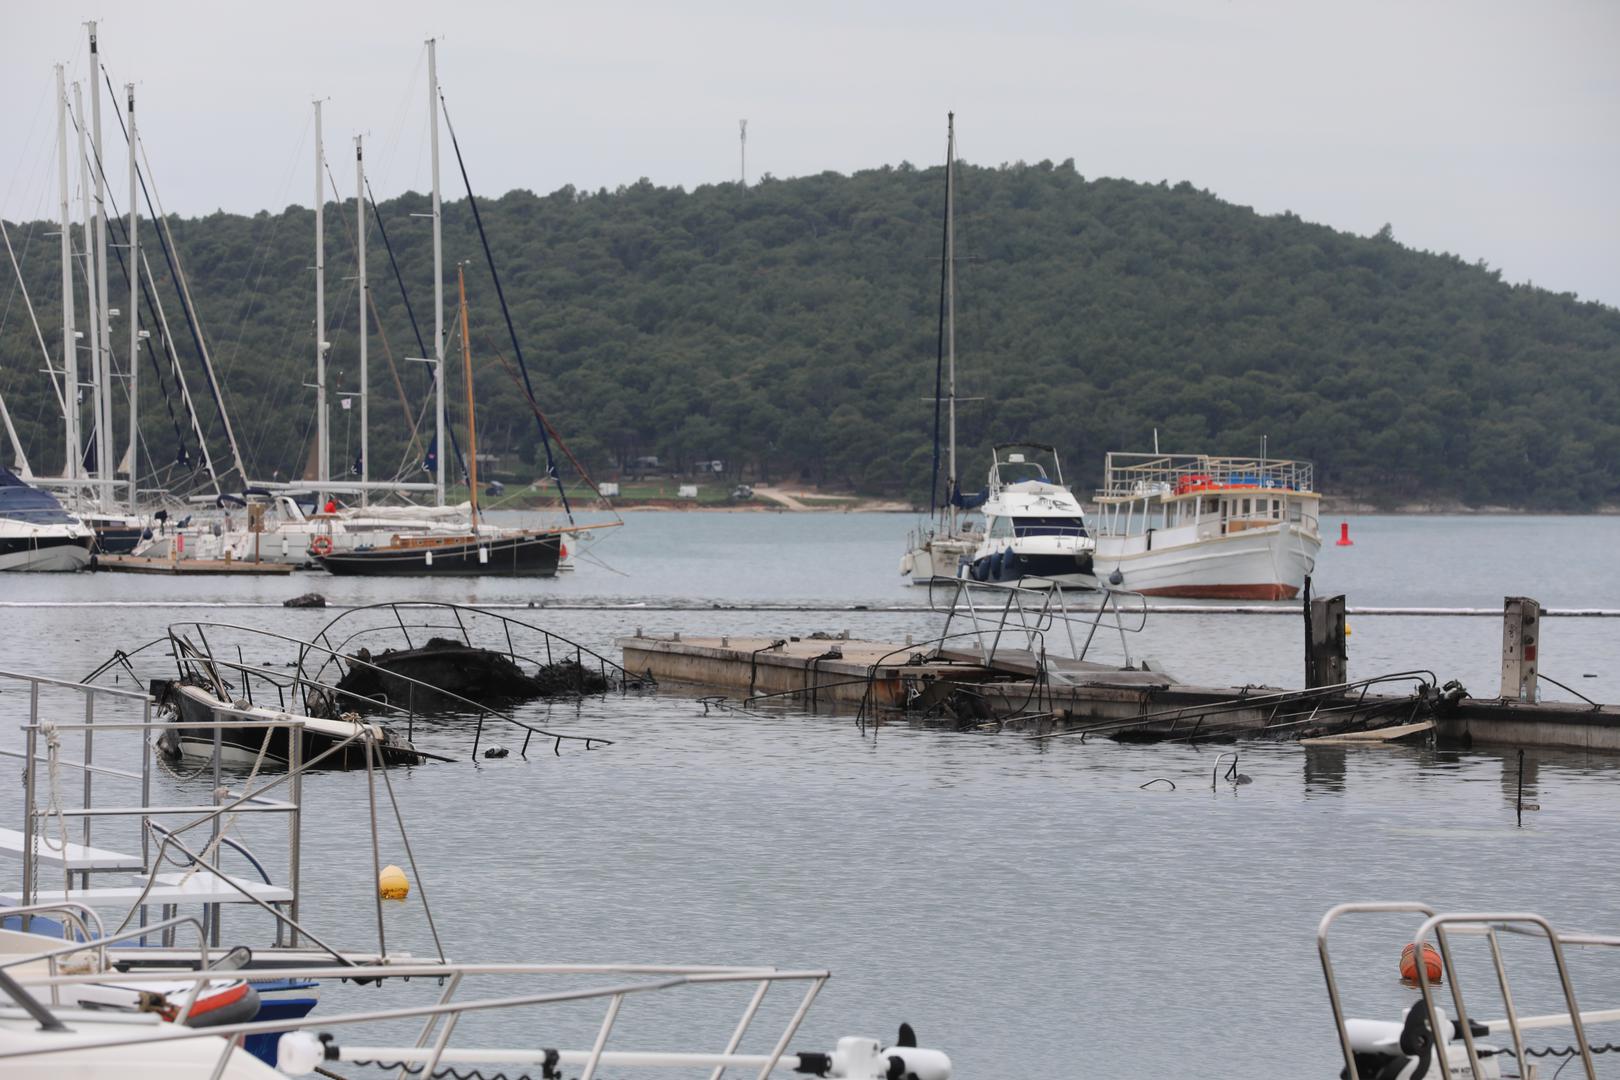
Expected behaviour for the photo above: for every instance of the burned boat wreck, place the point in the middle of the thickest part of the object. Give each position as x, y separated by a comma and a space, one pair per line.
440, 657
204, 718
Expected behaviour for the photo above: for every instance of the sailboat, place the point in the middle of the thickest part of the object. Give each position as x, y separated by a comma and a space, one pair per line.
529, 553
936, 550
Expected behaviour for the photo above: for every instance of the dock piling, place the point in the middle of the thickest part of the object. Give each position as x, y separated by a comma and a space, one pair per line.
1325, 653
1521, 636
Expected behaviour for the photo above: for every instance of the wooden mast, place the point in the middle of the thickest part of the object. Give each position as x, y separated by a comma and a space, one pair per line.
472, 419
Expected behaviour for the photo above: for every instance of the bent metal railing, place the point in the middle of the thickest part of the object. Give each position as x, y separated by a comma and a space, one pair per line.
556, 647
1488, 925
432, 1047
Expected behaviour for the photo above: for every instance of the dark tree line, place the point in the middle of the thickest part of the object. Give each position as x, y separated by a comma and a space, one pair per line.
789, 329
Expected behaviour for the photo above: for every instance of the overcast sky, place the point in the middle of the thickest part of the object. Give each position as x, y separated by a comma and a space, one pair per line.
1487, 129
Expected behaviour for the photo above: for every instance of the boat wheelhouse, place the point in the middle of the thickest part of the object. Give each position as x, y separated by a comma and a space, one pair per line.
1202, 527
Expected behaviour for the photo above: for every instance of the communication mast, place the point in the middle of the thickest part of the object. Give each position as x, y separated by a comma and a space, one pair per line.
742, 148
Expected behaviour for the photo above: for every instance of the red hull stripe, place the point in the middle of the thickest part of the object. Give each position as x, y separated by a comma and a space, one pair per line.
1226, 592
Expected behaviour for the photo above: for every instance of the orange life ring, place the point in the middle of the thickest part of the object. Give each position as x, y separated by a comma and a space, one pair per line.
321, 545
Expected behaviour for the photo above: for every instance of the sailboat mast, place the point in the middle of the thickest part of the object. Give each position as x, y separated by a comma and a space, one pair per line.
950, 310
472, 414
90, 279
438, 276
134, 301
70, 341
324, 464
365, 315
103, 321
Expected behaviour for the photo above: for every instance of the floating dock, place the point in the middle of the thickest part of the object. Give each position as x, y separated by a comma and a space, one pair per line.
1013, 689
135, 564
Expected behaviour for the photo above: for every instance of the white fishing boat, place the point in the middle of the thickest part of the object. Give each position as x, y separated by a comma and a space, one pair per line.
36, 533
1034, 530
938, 549
1202, 527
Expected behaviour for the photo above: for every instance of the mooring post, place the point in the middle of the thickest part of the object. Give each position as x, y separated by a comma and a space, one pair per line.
1521, 636
1325, 662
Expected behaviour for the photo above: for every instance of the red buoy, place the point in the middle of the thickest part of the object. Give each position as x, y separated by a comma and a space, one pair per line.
1344, 535
1431, 964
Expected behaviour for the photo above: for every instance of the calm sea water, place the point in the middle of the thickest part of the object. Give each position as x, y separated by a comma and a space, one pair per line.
1028, 907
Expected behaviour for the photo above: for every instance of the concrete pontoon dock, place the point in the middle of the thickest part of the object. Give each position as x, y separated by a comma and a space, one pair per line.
135, 564
975, 680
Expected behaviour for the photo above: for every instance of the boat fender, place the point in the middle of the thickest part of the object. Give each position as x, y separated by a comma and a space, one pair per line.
1009, 565
392, 883
236, 1004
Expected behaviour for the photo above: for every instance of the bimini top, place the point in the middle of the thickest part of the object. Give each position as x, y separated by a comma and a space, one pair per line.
21, 502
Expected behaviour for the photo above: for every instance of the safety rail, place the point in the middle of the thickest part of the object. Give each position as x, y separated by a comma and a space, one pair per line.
1488, 925
1129, 476
301, 1053
1048, 606
160, 844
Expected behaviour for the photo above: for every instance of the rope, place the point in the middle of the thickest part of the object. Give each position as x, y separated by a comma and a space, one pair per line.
550, 1072
53, 807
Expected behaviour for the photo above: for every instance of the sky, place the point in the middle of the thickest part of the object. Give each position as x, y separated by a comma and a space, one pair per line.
1486, 129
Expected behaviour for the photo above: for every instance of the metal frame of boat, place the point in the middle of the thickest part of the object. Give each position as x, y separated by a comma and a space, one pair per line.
1202, 527
37, 1038
1403, 1050
426, 617
855, 1058
206, 664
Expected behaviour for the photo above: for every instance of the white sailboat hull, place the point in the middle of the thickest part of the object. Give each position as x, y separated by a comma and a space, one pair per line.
936, 557
1267, 563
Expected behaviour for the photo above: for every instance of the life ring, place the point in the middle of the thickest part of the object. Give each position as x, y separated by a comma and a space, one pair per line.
321, 545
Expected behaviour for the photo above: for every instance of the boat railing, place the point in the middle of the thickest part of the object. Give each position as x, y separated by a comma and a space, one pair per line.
48, 797
303, 688
1028, 612
1129, 476
613, 986
557, 648
1467, 1028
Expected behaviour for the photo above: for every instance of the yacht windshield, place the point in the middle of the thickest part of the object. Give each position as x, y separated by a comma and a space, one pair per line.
1049, 526
1016, 472
19, 502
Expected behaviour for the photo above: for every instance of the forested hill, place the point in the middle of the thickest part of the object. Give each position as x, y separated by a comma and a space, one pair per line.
790, 330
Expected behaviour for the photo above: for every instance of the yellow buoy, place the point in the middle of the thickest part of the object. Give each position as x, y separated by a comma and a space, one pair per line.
392, 884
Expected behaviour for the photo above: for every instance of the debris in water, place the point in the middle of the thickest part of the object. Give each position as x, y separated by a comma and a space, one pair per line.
309, 599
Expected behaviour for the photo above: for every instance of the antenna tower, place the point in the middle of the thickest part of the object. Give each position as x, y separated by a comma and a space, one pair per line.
742, 149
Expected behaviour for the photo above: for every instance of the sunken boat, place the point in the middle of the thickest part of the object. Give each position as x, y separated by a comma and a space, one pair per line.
445, 674
245, 737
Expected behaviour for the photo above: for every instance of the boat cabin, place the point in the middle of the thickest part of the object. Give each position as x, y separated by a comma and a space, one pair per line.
1185, 498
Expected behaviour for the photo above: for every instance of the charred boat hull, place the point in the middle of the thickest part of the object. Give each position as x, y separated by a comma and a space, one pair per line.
242, 745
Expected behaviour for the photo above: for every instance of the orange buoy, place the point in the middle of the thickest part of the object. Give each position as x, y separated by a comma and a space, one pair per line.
1344, 535
1431, 964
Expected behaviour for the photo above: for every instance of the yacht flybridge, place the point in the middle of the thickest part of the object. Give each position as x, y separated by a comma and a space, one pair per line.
1033, 525
1222, 528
